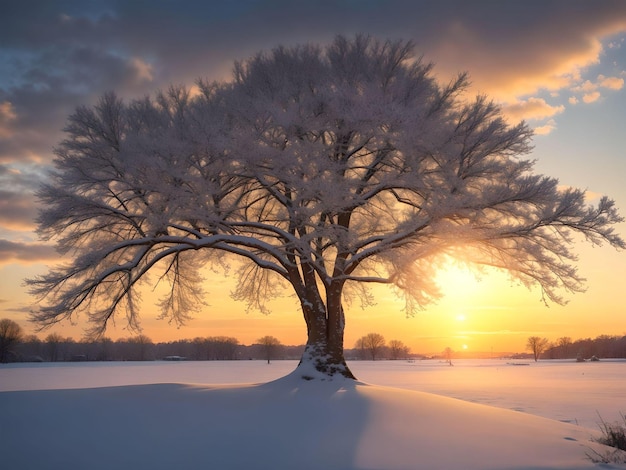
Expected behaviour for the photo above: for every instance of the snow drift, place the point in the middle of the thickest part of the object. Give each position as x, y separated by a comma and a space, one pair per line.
281, 425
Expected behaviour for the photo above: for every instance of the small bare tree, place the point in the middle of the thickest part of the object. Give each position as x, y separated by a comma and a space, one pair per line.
11, 334
537, 346
372, 343
447, 355
270, 345
54, 348
397, 349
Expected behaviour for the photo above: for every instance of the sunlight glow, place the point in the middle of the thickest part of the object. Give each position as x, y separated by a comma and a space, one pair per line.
458, 279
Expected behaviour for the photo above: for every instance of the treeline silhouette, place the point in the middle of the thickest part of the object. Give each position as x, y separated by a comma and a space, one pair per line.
15, 346
141, 348
57, 348
603, 346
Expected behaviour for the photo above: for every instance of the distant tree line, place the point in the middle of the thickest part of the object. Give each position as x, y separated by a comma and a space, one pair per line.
141, 348
603, 346
15, 346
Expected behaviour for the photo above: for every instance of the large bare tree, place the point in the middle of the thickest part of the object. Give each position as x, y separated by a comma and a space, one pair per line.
323, 169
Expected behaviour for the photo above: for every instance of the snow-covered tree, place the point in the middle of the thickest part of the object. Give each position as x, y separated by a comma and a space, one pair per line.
323, 169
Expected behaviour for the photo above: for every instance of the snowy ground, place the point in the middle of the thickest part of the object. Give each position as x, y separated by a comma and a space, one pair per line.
183, 415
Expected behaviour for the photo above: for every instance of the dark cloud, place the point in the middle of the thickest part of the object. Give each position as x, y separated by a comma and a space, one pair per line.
11, 251
17, 196
17, 211
87, 45
49, 85
521, 53
198, 37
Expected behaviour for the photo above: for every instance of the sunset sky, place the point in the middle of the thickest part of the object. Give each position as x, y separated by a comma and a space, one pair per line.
559, 65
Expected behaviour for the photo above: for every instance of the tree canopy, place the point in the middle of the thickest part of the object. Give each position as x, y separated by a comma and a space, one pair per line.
320, 168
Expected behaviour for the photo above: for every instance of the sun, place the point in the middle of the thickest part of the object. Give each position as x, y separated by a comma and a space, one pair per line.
464, 347
460, 317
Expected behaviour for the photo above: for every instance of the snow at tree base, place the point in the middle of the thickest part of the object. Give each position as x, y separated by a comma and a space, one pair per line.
321, 169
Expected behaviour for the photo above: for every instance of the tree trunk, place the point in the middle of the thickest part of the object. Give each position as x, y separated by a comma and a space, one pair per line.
323, 355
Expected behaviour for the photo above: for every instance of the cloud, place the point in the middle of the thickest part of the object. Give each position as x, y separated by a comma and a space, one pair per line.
532, 108
17, 211
591, 97
590, 90
546, 128
7, 116
7, 113
613, 83
468, 333
590, 196
41, 85
18, 184
26, 253
586, 87
517, 50
143, 70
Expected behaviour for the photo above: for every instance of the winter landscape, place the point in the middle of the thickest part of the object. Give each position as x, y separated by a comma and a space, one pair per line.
205, 166
477, 414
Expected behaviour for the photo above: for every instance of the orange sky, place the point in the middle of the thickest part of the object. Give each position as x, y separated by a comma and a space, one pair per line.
485, 314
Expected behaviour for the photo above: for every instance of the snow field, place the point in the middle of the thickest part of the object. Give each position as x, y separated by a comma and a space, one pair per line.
149, 415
